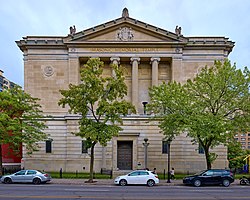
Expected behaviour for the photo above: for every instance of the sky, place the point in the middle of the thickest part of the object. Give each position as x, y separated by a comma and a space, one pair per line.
20, 18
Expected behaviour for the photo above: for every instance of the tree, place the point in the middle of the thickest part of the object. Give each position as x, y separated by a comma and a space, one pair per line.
236, 155
99, 101
21, 121
211, 108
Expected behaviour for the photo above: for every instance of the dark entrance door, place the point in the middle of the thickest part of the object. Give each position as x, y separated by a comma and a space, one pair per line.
124, 155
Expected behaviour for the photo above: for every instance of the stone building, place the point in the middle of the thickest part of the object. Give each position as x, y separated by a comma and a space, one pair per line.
151, 56
11, 158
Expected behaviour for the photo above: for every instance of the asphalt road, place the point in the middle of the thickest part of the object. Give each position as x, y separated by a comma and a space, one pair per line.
111, 192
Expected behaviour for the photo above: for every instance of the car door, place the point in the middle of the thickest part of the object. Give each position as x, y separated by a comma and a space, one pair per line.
19, 176
217, 176
30, 176
133, 178
207, 177
143, 177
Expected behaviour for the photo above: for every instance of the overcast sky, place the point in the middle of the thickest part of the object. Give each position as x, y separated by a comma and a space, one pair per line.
20, 18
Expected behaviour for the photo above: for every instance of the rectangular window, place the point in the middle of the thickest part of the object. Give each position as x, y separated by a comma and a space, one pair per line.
84, 146
48, 146
200, 149
164, 147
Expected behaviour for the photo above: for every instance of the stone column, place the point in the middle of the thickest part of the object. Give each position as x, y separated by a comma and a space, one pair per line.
135, 83
114, 61
155, 62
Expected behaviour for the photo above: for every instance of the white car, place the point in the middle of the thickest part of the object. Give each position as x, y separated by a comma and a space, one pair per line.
138, 177
26, 176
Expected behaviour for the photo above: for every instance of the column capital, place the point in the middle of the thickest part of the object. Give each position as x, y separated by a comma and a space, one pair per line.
115, 59
155, 59
133, 59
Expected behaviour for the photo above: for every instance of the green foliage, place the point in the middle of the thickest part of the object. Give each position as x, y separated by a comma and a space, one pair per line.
21, 120
210, 108
236, 155
99, 100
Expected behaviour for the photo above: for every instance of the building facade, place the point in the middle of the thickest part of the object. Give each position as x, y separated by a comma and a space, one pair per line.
151, 56
11, 158
5, 83
243, 139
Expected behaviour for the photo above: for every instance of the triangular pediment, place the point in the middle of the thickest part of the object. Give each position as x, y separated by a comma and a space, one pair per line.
125, 29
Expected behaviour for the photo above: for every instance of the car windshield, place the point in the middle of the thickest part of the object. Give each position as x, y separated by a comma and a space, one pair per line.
201, 172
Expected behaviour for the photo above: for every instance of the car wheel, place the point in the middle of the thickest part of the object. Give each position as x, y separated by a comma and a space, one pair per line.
122, 182
7, 180
37, 181
242, 182
150, 183
226, 182
197, 183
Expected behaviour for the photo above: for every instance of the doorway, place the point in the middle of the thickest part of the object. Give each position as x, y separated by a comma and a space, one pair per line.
124, 155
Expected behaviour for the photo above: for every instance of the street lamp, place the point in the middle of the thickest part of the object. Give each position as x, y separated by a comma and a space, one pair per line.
168, 142
145, 144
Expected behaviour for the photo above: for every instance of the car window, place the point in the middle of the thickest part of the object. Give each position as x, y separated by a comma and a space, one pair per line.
31, 172
144, 173
22, 172
226, 172
217, 173
200, 173
208, 173
134, 174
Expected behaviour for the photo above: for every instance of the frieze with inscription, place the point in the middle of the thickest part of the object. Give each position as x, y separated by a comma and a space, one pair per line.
125, 49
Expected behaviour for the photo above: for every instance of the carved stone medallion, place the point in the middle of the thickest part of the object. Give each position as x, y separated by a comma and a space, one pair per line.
125, 34
48, 71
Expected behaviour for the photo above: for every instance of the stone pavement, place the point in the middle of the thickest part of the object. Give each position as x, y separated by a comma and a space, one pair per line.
111, 182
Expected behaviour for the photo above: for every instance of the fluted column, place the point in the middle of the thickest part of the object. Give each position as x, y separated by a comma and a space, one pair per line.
135, 86
114, 61
155, 69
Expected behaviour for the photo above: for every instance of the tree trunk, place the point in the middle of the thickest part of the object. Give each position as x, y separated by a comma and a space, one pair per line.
91, 172
209, 164
1, 161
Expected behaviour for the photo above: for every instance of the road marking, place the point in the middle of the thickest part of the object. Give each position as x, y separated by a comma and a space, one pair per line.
118, 197
87, 190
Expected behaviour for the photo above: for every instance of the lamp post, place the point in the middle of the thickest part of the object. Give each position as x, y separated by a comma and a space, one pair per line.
145, 144
168, 142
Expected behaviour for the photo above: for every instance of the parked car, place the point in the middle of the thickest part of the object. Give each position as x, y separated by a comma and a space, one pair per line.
210, 177
138, 177
26, 176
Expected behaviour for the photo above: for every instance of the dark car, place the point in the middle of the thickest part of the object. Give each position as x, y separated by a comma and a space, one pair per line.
210, 177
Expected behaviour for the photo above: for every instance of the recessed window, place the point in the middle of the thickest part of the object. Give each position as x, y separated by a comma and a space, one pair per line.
84, 146
164, 147
201, 149
48, 146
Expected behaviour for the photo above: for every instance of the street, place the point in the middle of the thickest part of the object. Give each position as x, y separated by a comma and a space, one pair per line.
112, 192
